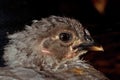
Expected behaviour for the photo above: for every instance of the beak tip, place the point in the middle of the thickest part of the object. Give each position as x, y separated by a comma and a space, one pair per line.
96, 48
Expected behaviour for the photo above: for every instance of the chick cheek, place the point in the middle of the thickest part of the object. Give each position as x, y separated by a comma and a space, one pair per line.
46, 52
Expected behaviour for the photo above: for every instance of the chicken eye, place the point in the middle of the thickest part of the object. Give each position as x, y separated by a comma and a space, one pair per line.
65, 37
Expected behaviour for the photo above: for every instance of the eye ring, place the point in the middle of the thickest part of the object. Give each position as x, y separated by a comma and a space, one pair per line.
65, 37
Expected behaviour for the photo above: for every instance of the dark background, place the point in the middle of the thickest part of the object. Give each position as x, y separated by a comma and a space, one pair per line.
14, 14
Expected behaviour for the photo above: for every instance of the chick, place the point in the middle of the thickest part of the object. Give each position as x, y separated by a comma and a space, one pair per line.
51, 47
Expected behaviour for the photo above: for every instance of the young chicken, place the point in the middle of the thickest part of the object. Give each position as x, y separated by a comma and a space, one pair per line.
49, 49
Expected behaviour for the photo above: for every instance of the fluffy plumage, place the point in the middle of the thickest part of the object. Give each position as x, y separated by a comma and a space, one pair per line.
52, 46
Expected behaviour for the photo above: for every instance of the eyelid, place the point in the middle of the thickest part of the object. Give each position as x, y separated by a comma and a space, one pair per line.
67, 31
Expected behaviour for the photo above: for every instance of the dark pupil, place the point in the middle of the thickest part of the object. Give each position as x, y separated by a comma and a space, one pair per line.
65, 37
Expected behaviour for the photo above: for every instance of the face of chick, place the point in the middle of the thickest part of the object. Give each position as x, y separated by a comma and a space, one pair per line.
62, 42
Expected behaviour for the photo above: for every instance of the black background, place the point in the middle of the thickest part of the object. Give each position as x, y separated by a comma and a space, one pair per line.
14, 14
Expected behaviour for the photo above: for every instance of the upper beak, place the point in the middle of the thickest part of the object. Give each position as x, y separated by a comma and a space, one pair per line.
89, 46
95, 48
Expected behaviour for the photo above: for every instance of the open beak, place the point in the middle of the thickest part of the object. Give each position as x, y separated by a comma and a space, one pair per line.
89, 46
